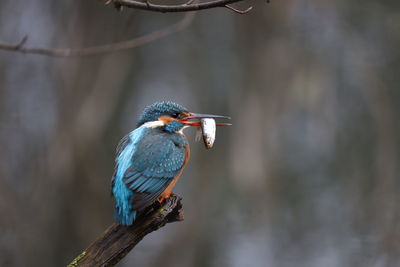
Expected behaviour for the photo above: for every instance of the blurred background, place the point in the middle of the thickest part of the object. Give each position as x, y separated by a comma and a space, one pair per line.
308, 175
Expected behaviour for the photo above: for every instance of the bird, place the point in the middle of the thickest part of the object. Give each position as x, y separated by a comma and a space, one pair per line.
150, 159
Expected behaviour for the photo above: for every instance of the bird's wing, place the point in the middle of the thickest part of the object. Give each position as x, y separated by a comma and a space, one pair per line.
156, 161
120, 147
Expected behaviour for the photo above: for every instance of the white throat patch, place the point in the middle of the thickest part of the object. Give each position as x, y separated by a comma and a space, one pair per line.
183, 128
153, 124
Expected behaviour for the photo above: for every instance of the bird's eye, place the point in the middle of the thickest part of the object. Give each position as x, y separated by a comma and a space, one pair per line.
175, 115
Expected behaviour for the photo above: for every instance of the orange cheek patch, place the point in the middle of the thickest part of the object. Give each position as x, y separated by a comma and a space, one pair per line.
166, 119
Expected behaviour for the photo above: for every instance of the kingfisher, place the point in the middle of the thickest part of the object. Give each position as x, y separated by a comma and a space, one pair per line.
151, 158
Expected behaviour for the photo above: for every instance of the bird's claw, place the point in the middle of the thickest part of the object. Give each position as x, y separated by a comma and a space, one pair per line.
164, 197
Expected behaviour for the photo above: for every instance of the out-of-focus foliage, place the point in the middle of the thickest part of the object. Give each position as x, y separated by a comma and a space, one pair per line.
308, 175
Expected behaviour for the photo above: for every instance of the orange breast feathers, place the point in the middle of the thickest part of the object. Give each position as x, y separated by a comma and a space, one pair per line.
168, 190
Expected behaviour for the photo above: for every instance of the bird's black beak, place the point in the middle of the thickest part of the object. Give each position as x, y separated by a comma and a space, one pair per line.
198, 116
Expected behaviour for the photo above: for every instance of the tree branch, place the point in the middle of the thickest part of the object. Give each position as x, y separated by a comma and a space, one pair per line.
101, 49
190, 6
115, 243
239, 11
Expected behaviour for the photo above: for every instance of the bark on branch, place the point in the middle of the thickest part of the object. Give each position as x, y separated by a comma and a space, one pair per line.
189, 6
115, 243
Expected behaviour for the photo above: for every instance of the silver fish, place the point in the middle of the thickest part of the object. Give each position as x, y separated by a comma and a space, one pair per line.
208, 129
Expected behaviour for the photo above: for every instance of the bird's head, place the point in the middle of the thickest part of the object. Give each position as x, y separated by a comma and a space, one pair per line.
172, 117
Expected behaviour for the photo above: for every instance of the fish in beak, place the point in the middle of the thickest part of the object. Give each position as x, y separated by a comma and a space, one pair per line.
207, 126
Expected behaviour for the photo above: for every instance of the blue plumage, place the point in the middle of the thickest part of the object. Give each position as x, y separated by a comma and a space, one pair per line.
151, 158
148, 159
153, 112
124, 213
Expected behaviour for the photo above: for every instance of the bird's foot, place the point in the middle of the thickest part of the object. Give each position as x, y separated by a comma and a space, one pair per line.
164, 197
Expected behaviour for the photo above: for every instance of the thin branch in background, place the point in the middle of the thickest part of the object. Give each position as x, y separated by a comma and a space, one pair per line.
102, 49
189, 2
239, 11
189, 6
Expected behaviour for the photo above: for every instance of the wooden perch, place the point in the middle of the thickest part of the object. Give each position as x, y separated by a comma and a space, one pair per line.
115, 243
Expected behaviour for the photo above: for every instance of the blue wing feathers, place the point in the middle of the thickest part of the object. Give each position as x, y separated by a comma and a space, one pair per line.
147, 161
129, 179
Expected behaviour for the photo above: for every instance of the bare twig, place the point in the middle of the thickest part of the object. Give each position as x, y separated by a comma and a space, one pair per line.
115, 243
22, 42
239, 11
102, 49
174, 8
191, 5
189, 2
